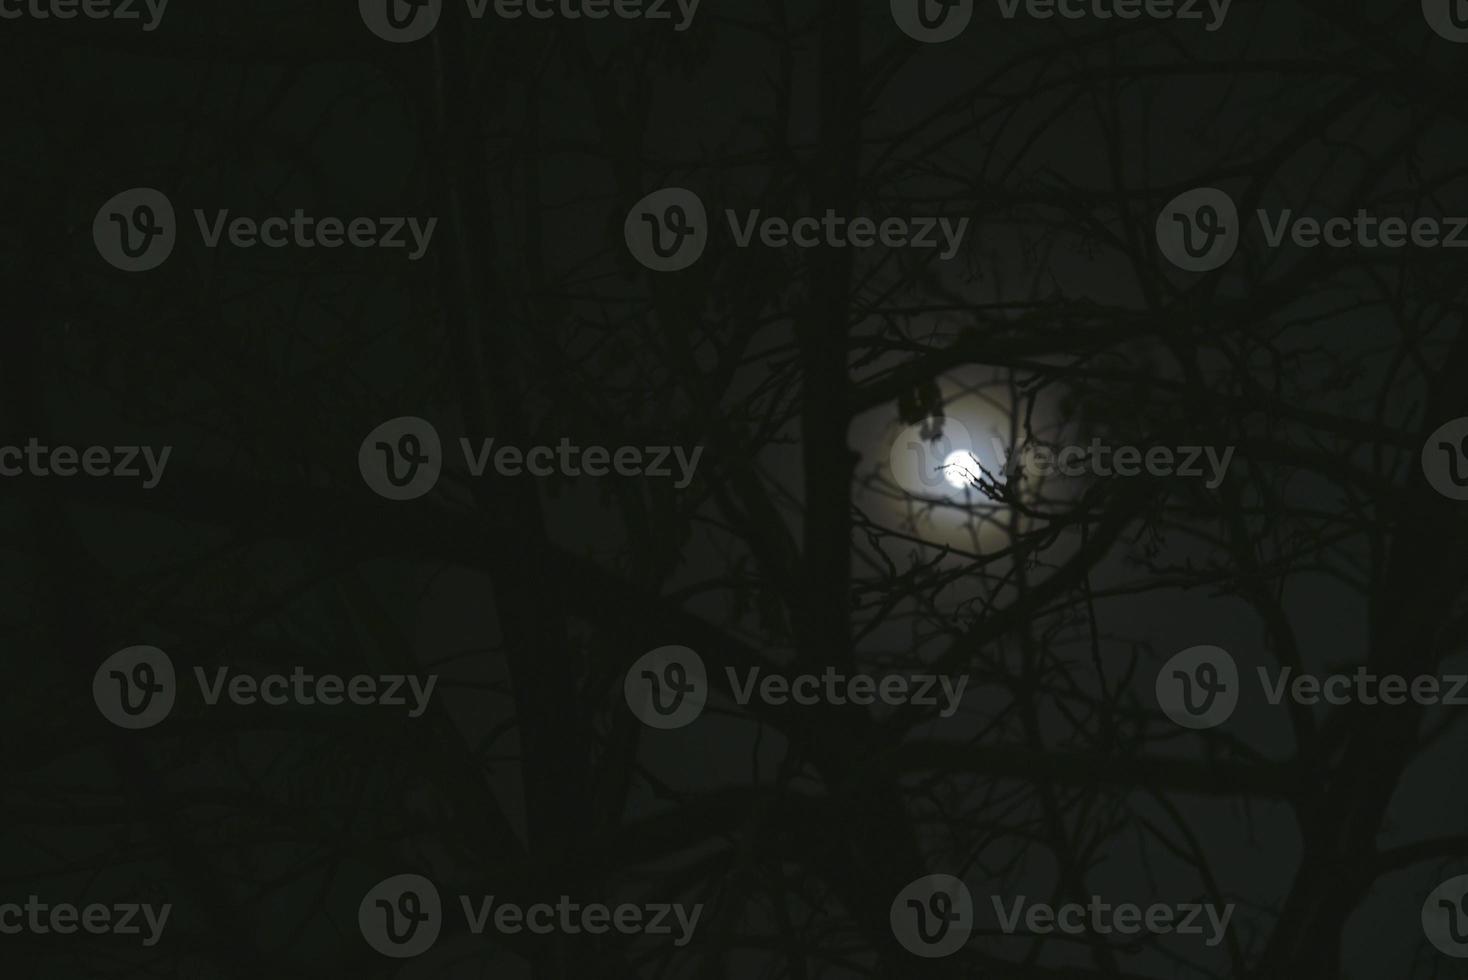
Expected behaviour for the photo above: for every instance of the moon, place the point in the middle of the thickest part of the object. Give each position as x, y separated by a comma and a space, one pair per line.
961, 469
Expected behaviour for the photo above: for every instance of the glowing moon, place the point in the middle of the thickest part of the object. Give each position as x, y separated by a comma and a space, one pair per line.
961, 469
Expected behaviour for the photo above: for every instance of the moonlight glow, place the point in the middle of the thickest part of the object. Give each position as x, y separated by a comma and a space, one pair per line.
961, 469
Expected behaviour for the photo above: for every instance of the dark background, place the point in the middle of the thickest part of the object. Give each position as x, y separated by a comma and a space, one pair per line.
796, 370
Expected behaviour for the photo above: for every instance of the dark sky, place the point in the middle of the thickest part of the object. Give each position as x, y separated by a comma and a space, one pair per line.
806, 379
